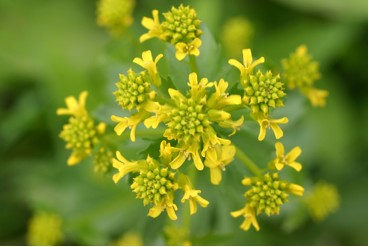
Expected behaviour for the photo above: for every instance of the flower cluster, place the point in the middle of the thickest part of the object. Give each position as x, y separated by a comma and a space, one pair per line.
301, 71
268, 193
80, 134
262, 92
156, 183
44, 229
194, 126
116, 15
323, 200
180, 28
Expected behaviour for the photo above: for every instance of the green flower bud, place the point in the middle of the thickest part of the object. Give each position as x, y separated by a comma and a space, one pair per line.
133, 89
181, 25
263, 91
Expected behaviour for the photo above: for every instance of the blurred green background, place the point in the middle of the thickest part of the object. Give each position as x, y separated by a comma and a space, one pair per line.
53, 49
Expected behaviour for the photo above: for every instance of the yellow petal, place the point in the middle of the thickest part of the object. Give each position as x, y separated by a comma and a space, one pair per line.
296, 189
171, 213
293, 154
295, 165
279, 149
262, 132
278, 133
237, 64
215, 175
195, 51
247, 56
279, 166
202, 202
178, 161
197, 161
155, 211
193, 206
238, 213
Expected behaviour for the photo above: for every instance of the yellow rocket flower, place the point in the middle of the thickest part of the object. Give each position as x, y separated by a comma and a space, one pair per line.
288, 159
266, 123
149, 64
154, 26
191, 194
129, 122
250, 218
183, 49
217, 159
188, 120
248, 64
124, 166
74, 107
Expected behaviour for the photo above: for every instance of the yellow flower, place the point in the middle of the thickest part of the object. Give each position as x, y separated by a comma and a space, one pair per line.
248, 64
235, 125
154, 26
124, 167
129, 122
317, 97
191, 194
220, 98
167, 205
149, 64
217, 158
288, 159
250, 218
183, 49
74, 107
266, 122
44, 229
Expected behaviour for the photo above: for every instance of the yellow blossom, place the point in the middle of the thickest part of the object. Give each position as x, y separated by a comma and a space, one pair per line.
191, 194
217, 158
124, 166
317, 97
250, 218
288, 159
248, 64
129, 122
266, 122
220, 98
149, 64
153, 25
183, 49
74, 107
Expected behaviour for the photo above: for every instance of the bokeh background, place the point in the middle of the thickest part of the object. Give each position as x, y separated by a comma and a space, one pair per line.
53, 49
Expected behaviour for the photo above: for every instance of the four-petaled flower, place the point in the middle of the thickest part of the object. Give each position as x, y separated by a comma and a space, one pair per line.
154, 26
266, 122
248, 64
183, 49
288, 159
217, 158
74, 107
250, 217
191, 194
149, 64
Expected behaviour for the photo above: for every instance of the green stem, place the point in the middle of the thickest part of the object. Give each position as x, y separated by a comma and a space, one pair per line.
193, 64
247, 161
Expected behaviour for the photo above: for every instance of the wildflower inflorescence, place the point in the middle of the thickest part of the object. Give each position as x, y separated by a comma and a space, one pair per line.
301, 71
194, 126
